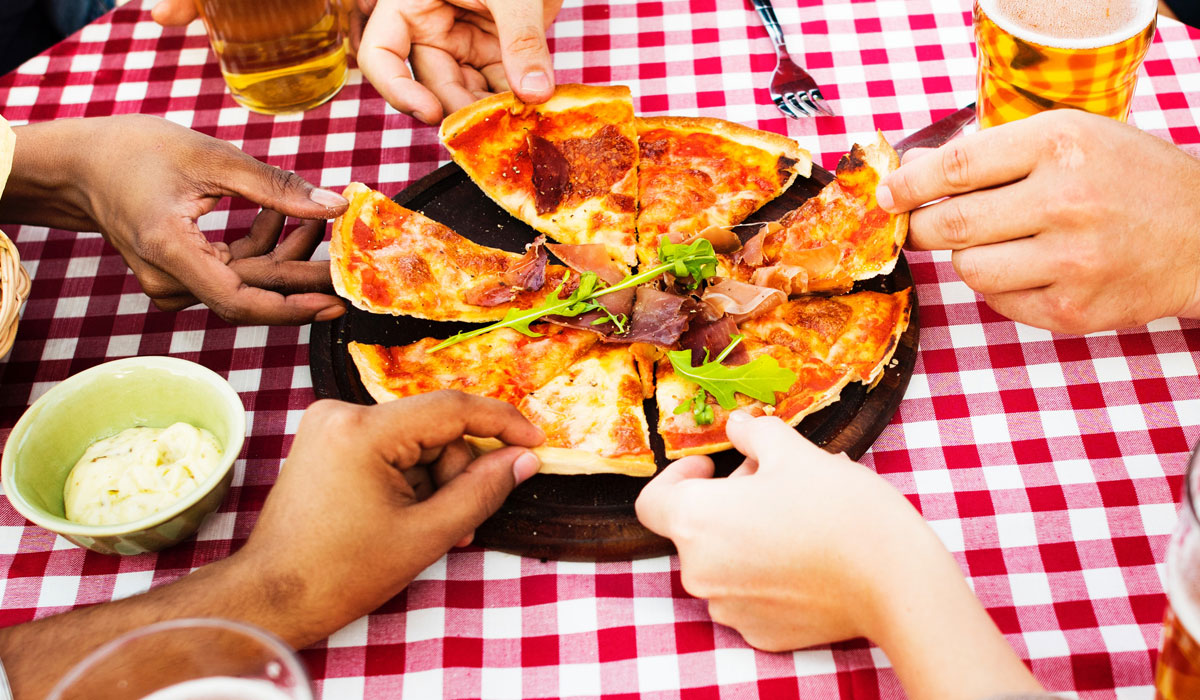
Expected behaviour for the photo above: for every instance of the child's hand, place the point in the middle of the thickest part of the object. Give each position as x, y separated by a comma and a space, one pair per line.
143, 182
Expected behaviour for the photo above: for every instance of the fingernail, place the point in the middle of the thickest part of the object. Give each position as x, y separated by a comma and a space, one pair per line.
883, 195
330, 313
420, 116
739, 417
326, 198
526, 466
535, 81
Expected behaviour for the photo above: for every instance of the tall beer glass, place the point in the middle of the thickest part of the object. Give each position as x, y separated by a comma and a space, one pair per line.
1178, 676
278, 55
1036, 55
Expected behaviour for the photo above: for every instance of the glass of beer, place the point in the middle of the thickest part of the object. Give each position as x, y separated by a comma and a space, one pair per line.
189, 659
1178, 676
1036, 55
278, 56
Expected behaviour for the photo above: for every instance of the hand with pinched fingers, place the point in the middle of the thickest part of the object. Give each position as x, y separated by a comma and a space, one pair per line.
1066, 220
459, 50
801, 547
144, 182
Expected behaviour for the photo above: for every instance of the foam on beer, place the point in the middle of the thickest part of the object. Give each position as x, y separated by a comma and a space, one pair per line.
221, 688
1071, 24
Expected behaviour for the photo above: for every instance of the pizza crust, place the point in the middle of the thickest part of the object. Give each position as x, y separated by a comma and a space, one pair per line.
561, 460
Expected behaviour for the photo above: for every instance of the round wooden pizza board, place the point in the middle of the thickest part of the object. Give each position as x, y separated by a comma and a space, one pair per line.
590, 517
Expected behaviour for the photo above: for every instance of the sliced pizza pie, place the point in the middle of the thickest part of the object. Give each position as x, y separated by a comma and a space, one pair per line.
833, 239
388, 259
586, 397
567, 167
827, 342
696, 172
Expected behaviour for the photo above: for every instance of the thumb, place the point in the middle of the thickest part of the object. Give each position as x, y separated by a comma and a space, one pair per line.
463, 503
657, 500
522, 35
280, 190
174, 13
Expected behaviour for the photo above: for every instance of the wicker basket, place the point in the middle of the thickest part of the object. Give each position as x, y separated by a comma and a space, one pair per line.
14, 290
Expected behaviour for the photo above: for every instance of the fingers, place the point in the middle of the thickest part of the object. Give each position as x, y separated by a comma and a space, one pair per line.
436, 419
272, 188
527, 65
977, 218
984, 159
382, 57
264, 234
189, 259
174, 13
657, 500
442, 74
462, 504
1007, 267
768, 440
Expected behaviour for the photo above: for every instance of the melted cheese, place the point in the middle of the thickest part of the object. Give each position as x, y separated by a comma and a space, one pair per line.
138, 472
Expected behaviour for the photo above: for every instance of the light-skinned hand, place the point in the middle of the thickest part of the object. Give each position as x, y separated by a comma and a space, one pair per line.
459, 50
1066, 220
800, 547
143, 182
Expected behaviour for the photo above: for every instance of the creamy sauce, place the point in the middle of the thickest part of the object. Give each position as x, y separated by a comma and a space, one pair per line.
221, 688
138, 472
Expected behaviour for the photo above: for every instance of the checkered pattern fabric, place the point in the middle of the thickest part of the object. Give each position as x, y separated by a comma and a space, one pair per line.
1049, 465
1018, 78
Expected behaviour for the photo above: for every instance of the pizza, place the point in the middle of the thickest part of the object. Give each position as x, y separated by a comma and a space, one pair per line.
387, 259
585, 396
834, 239
827, 341
567, 167
696, 172
583, 170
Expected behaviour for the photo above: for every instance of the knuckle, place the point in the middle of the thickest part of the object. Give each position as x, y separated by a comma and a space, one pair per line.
954, 223
526, 41
228, 310
956, 166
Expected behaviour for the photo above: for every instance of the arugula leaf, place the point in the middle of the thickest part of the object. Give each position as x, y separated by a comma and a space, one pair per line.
702, 413
758, 379
696, 260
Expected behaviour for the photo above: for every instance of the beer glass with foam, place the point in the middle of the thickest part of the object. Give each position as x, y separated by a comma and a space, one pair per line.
1036, 55
278, 56
1178, 676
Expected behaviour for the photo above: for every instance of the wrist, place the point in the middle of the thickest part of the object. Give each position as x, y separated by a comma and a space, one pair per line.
44, 187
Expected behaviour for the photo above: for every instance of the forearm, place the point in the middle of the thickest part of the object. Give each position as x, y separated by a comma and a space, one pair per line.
37, 654
48, 165
938, 636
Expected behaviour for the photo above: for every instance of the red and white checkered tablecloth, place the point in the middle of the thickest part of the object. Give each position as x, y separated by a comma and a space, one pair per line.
1049, 465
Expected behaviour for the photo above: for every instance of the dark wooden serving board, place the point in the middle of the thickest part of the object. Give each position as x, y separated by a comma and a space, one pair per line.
590, 517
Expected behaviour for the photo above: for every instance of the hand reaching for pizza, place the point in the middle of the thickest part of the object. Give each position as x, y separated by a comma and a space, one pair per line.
800, 547
1066, 220
378, 494
459, 50
143, 182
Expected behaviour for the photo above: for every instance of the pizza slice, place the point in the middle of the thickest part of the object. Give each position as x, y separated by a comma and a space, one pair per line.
827, 342
567, 167
593, 417
856, 332
696, 172
817, 385
585, 396
388, 259
833, 239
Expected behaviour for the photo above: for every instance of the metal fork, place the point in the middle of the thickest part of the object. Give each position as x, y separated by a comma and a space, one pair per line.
793, 90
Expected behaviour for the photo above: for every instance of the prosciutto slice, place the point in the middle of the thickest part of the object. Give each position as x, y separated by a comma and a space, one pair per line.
723, 239
528, 273
741, 301
659, 317
752, 252
713, 336
589, 257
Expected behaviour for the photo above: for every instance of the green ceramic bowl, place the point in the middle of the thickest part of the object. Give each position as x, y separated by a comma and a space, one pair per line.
101, 402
